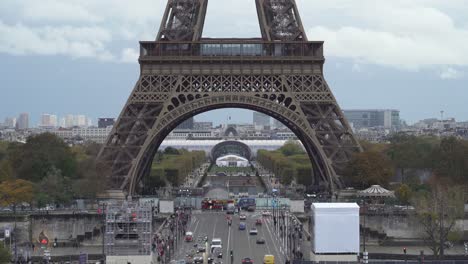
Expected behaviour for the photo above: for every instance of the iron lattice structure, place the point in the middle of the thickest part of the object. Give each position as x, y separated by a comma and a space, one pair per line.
182, 74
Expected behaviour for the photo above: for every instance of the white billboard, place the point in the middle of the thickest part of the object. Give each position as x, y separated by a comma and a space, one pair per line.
335, 228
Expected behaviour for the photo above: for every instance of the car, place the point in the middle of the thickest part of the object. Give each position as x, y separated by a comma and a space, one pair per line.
201, 249
242, 226
198, 259
242, 217
247, 261
266, 213
251, 208
216, 243
188, 236
260, 240
258, 221
253, 231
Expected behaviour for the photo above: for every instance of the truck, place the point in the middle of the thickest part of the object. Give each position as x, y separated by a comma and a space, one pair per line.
231, 208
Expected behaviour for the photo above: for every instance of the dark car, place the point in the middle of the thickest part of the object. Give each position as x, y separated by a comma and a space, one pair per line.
260, 240
247, 261
198, 259
201, 249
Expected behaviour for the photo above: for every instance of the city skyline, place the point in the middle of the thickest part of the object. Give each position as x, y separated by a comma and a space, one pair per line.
221, 116
80, 62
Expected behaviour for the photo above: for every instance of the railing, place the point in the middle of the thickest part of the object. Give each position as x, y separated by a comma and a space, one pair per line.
232, 48
384, 262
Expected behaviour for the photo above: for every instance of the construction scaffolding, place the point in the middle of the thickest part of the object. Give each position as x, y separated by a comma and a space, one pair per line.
128, 229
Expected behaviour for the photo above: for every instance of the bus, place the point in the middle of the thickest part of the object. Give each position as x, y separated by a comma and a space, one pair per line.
246, 203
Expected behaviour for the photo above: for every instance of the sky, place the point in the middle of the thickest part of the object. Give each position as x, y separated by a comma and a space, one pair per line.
80, 56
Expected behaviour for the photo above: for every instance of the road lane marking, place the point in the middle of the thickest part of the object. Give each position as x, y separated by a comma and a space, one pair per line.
274, 244
229, 240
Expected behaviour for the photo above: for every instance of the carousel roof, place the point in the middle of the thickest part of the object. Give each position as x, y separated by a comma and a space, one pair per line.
376, 191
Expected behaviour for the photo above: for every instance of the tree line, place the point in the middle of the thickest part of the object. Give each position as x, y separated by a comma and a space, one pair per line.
173, 166
287, 163
45, 170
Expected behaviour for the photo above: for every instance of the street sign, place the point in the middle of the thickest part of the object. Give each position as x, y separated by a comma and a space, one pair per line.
7, 233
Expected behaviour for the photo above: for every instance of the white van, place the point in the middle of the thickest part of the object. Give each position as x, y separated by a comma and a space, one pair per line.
216, 243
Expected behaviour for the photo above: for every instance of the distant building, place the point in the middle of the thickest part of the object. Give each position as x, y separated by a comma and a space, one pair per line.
202, 125
366, 118
260, 119
232, 161
75, 121
105, 122
187, 124
48, 120
10, 122
95, 134
23, 121
190, 134
277, 124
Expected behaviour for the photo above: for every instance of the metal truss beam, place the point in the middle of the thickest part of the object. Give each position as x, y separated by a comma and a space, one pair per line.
183, 20
280, 20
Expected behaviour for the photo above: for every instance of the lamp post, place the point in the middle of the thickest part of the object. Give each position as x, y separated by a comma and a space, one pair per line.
364, 212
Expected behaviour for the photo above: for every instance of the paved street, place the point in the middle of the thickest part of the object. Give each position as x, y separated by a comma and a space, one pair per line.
214, 225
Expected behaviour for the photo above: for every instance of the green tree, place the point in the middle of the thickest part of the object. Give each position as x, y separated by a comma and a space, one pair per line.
171, 151
33, 161
6, 170
304, 175
56, 187
411, 152
438, 212
450, 160
404, 194
5, 255
3, 150
89, 181
291, 147
369, 168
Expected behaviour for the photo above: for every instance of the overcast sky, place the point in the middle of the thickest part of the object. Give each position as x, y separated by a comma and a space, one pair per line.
80, 56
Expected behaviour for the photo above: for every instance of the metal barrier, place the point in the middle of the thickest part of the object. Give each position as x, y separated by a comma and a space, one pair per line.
385, 262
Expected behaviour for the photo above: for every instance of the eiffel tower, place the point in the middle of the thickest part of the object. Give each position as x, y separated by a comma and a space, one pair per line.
183, 74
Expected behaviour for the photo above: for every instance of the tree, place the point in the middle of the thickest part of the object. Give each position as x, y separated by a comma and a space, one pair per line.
438, 212
13, 192
369, 168
411, 152
33, 161
5, 255
6, 170
171, 151
404, 194
89, 181
450, 160
56, 187
304, 175
291, 148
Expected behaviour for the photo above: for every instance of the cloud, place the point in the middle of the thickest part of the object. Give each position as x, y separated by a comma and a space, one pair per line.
129, 55
450, 73
403, 34
407, 35
58, 11
75, 42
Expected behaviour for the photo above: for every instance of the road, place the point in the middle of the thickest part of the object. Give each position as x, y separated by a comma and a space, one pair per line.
214, 225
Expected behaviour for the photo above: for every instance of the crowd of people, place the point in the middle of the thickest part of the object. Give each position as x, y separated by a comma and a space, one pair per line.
166, 240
